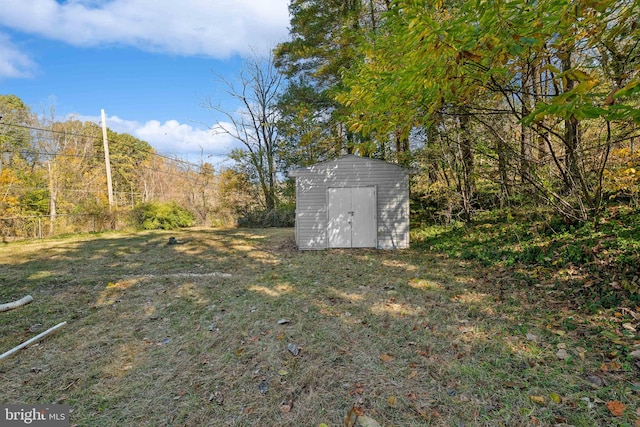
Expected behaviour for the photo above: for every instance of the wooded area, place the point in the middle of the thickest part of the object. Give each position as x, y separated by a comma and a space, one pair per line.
497, 103
52, 175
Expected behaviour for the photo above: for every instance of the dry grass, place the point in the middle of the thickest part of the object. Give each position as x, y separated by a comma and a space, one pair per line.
158, 336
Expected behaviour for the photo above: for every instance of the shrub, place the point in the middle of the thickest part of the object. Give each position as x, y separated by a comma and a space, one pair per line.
163, 216
282, 216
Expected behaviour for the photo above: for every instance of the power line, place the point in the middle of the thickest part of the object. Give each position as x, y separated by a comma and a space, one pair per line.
37, 153
49, 130
154, 153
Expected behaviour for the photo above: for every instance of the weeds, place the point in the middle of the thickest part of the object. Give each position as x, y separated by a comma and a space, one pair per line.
597, 265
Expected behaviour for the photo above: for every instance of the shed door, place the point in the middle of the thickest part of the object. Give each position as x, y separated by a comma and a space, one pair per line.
352, 217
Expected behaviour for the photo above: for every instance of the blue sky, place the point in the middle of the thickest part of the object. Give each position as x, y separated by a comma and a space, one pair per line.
150, 64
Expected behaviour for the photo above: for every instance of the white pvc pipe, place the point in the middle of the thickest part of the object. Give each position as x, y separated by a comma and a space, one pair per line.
31, 341
11, 305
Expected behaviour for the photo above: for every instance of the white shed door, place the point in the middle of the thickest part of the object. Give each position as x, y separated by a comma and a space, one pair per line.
352, 217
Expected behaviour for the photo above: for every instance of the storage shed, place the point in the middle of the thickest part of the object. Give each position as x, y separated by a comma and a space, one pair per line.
352, 202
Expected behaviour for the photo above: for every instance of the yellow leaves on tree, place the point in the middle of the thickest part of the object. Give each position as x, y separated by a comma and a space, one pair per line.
9, 203
623, 176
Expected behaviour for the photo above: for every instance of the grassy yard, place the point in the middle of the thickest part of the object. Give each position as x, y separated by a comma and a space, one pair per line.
238, 328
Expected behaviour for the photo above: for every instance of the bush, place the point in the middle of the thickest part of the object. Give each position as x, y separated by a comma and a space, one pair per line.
163, 216
282, 216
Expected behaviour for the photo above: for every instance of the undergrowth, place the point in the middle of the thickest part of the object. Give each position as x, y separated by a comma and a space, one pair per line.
597, 264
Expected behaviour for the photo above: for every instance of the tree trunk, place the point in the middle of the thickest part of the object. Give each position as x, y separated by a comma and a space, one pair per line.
570, 134
525, 131
53, 199
540, 86
467, 159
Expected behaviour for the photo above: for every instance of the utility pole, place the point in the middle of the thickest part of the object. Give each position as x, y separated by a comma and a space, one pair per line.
107, 162
1, 152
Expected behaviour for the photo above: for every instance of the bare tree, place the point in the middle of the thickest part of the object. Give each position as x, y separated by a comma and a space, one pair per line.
254, 124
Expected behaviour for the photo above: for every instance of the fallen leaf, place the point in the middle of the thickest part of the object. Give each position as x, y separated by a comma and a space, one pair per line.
560, 419
555, 397
629, 327
293, 348
616, 408
218, 397
612, 366
364, 421
611, 337
423, 413
358, 411
350, 419
392, 401
34, 328
540, 400
595, 380
283, 372
286, 406
385, 357
412, 374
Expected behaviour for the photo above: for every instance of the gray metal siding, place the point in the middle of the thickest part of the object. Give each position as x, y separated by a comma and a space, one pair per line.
392, 190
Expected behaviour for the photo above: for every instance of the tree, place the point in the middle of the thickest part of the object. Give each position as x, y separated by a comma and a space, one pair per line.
547, 66
129, 156
15, 137
324, 38
255, 125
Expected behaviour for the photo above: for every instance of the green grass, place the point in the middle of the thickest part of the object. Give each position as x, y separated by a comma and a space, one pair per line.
409, 338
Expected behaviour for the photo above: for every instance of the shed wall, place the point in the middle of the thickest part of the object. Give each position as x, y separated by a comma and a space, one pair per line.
392, 190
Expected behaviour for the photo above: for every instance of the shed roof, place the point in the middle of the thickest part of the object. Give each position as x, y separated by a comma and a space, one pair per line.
295, 172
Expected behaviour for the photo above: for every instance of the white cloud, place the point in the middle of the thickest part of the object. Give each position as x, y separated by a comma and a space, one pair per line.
13, 63
174, 138
215, 28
